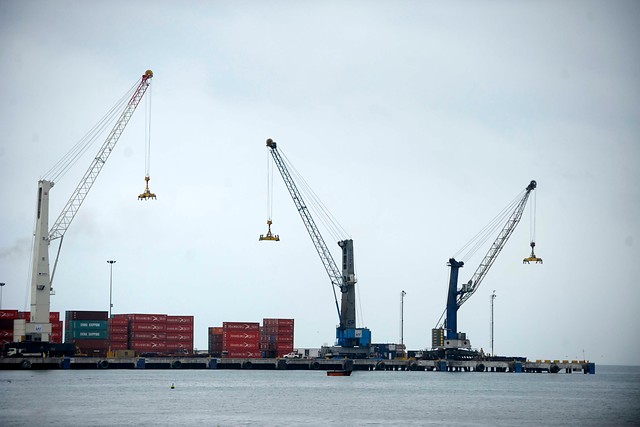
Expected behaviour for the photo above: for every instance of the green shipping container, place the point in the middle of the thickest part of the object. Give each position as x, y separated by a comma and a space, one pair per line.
87, 334
87, 325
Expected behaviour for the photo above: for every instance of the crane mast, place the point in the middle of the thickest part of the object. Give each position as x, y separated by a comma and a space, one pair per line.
347, 334
455, 297
39, 326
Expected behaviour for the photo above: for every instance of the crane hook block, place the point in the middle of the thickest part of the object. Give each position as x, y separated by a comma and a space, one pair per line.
532, 257
147, 194
269, 235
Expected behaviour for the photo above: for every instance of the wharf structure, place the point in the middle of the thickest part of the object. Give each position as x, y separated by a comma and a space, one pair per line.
539, 366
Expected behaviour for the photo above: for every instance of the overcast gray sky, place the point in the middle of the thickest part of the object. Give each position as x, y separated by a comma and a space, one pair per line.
414, 122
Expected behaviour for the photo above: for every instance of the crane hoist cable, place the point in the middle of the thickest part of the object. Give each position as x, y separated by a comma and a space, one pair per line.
532, 233
147, 150
269, 236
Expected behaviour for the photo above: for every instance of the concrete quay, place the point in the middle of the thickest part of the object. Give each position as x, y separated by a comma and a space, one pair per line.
539, 366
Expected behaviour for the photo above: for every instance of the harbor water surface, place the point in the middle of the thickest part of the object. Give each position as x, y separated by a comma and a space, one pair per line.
311, 398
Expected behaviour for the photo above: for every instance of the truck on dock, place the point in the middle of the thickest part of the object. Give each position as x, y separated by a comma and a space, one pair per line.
38, 349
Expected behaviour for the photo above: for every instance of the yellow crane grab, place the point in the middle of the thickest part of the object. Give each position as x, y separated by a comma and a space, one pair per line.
269, 235
532, 257
147, 194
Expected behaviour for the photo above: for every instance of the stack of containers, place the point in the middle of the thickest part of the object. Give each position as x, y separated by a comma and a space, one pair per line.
276, 338
54, 319
148, 333
180, 334
215, 341
241, 339
88, 330
119, 333
6, 325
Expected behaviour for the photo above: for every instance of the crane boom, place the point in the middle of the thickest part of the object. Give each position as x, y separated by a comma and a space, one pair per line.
318, 242
61, 225
348, 336
496, 247
39, 326
457, 297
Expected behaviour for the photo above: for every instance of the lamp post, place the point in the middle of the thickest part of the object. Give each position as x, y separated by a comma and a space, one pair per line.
493, 297
110, 285
402, 319
1, 286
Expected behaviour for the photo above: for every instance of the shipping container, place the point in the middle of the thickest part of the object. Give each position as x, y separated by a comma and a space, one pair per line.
6, 324
180, 320
233, 334
148, 318
90, 344
173, 336
119, 345
8, 314
215, 330
147, 336
179, 328
86, 315
86, 324
57, 326
117, 329
54, 316
241, 345
119, 319
119, 337
6, 334
148, 345
242, 354
278, 322
87, 334
243, 326
145, 327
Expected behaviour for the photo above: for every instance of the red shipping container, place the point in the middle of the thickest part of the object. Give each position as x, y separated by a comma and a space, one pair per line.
148, 318
179, 328
116, 329
240, 346
91, 344
243, 326
6, 334
119, 320
119, 345
54, 316
145, 327
244, 354
215, 330
180, 319
232, 335
179, 345
56, 326
172, 336
8, 314
119, 337
280, 340
148, 345
148, 336
277, 322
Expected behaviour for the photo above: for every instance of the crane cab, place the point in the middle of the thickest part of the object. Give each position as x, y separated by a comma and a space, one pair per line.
269, 235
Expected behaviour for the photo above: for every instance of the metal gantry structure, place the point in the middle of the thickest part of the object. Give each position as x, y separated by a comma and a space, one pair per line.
39, 326
351, 339
456, 297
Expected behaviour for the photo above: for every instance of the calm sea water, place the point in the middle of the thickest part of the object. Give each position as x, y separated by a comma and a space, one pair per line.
310, 398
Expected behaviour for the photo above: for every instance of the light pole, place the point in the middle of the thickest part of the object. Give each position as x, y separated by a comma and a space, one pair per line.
402, 319
493, 297
110, 285
1, 286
